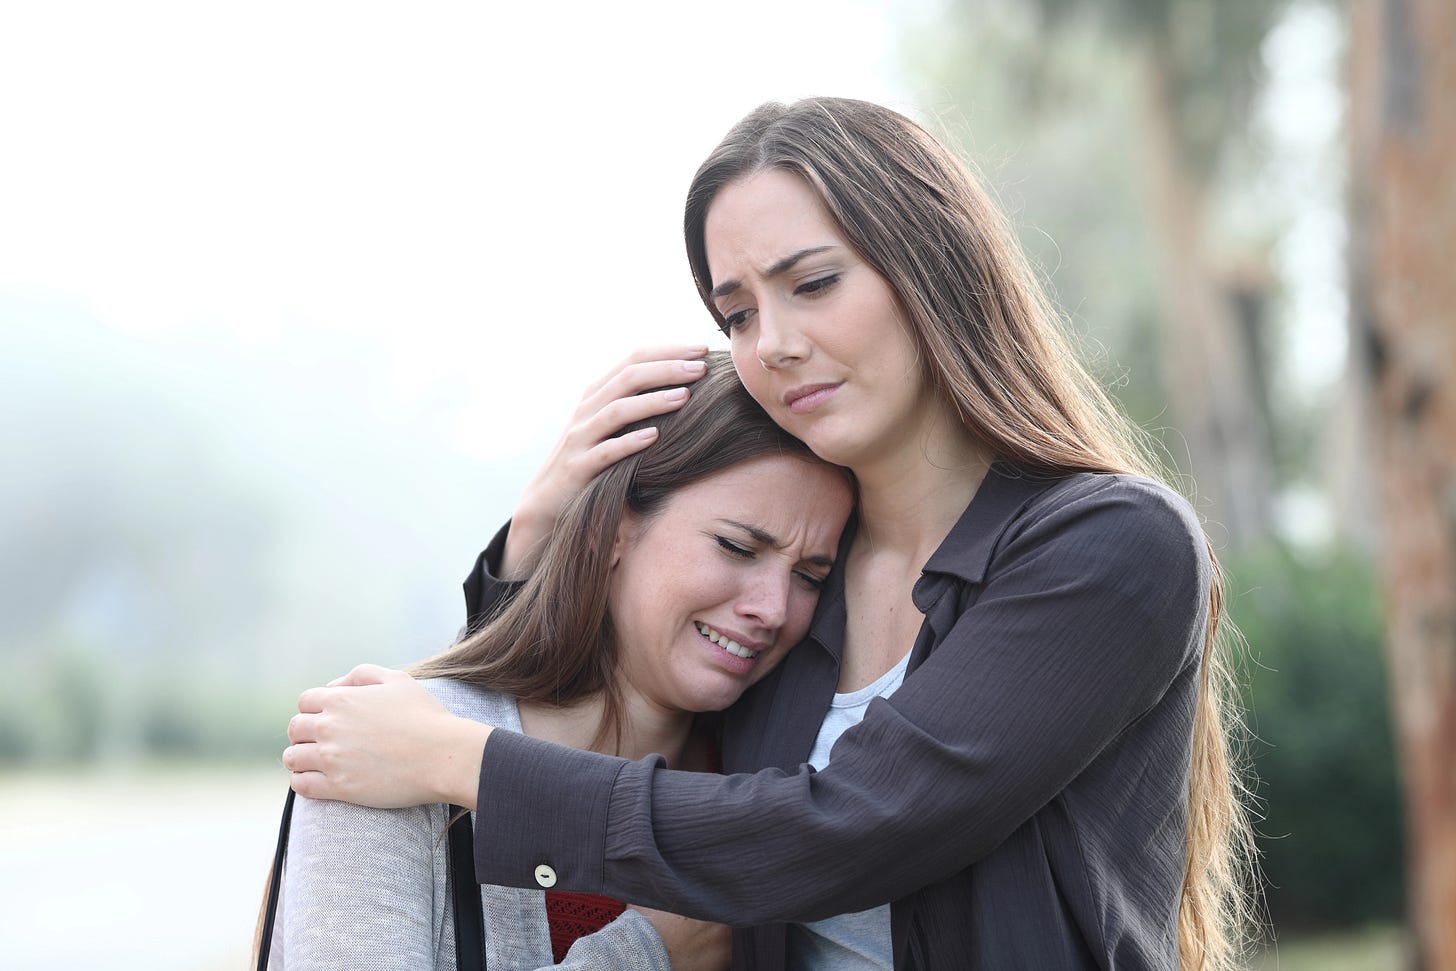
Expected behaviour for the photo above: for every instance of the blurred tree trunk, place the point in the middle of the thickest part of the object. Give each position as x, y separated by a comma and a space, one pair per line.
1210, 361
1200, 65
1403, 286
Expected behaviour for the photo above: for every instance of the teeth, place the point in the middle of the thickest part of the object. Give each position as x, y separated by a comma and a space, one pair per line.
727, 644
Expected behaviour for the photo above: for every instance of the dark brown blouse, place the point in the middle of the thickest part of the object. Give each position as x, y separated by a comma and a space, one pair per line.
1021, 800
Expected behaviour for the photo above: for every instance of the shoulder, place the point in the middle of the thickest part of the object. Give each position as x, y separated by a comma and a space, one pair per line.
1088, 519
1110, 503
475, 702
1131, 535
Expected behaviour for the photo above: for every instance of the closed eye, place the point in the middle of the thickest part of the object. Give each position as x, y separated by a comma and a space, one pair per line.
733, 548
813, 582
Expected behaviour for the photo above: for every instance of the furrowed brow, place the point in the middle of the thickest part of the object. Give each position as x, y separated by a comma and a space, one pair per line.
759, 534
781, 266
763, 536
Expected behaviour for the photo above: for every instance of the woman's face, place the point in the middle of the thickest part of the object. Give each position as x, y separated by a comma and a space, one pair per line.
708, 594
818, 335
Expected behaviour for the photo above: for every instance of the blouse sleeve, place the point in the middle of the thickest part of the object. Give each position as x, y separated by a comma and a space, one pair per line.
359, 888
1091, 606
629, 943
365, 888
484, 591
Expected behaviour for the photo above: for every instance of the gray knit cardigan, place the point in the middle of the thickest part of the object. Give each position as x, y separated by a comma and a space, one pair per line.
369, 889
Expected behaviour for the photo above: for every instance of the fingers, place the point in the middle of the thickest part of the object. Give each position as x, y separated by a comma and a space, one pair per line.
602, 456
661, 361
311, 701
607, 416
303, 729
315, 700
307, 776
647, 383
312, 773
367, 674
301, 758
310, 784
625, 399
629, 380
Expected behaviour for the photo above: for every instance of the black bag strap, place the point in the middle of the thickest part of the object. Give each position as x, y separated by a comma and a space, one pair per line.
465, 891
469, 921
275, 880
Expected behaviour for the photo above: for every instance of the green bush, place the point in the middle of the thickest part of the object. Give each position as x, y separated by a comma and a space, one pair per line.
53, 708
1323, 754
64, 705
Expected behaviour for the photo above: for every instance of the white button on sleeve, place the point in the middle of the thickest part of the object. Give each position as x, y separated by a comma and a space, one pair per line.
545, 876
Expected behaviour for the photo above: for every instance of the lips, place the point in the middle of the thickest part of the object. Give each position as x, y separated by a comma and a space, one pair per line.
807, 397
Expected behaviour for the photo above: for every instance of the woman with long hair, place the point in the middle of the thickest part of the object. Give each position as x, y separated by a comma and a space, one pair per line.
677, 578
1005, 742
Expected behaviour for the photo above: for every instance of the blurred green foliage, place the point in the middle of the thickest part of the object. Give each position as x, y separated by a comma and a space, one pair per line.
1323, 749
1379, 948
64, 706
1049, 101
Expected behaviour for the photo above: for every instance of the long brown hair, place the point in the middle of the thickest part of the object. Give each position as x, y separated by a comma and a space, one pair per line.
992, 346
553, 642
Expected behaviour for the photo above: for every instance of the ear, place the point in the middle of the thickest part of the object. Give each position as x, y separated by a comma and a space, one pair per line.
627, 530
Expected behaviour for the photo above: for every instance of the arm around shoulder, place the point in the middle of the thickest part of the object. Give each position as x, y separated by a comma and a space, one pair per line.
1088, 608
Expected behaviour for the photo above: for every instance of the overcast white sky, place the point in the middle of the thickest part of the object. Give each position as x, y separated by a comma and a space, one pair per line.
469, 202
428, 216
479, 202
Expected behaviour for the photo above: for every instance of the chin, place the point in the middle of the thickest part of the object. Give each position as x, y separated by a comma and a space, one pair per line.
712, 699
836, 445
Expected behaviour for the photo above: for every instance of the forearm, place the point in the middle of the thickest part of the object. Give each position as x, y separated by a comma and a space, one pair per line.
1086, 621
741, 850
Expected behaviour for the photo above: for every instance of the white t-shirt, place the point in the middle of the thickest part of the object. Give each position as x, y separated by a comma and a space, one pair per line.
859, 941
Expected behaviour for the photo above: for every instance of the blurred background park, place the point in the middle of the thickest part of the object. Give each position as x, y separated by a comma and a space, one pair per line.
295, 296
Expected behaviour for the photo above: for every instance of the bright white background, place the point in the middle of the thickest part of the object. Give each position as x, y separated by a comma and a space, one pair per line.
352, 264
462, 206
298, 294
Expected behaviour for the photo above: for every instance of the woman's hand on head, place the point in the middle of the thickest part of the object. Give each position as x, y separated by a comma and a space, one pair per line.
376, 737
591, 443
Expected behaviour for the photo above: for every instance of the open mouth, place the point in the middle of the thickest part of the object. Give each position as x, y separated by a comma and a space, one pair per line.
726, 643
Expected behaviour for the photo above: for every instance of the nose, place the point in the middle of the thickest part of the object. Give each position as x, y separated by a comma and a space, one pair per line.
780, 343
764, 600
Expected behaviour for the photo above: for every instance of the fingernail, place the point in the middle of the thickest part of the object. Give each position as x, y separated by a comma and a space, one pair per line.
695, 367
646, 434
675, 395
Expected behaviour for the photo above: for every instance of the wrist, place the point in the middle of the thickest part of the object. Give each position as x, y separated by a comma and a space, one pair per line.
456, 778
528, 531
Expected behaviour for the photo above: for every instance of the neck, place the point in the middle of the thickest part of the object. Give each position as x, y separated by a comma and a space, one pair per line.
646, 729
910, 500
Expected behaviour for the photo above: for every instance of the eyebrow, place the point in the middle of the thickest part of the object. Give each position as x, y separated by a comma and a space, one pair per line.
763, 536
782, 266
